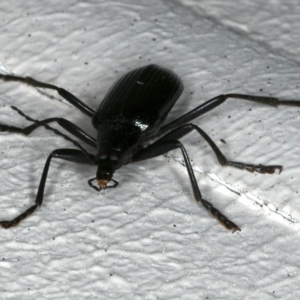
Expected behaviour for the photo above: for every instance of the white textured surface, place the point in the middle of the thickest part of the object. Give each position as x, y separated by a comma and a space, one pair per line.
148, 239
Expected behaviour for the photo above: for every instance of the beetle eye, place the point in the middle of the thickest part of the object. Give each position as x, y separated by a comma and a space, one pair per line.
114, 157
102, 156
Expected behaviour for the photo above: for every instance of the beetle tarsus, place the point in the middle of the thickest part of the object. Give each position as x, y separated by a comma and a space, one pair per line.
18, 219
220, 217
8, 128
255, 168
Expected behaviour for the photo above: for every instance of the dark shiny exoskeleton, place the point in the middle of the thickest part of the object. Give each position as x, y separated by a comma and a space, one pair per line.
127, 121
131, 114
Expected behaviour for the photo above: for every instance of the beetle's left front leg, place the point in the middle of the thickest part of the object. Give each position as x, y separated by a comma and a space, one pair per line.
162, 146
73, 155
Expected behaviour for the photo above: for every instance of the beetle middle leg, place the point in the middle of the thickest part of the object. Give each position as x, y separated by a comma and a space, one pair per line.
187, 128
67, 125
161, 147
73, 155
40, 123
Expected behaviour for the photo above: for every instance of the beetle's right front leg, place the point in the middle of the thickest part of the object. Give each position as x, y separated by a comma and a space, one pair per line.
73, 155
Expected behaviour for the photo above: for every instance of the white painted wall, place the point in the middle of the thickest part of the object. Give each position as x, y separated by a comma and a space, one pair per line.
148, 239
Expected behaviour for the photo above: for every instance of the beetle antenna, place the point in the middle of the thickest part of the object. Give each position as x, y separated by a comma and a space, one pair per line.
55, 131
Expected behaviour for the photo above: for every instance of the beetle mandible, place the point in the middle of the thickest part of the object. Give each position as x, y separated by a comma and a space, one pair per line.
132, 115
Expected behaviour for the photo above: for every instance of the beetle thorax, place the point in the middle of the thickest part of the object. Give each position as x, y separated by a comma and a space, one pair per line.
117, 136
115, 140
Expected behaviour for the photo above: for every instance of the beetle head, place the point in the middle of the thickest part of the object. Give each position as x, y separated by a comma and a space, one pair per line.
107, 164
114, 144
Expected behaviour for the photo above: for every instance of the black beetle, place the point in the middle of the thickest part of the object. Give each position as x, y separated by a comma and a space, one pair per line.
129, 118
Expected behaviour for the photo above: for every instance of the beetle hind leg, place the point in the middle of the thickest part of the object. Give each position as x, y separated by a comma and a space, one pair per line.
62, 92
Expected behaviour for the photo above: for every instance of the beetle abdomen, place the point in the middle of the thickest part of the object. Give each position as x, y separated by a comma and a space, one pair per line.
142, 97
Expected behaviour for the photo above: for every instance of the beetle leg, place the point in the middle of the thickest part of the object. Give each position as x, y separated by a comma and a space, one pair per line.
187, 128
67, 125
162, 146
87, 155
216, 101
73, 155
65, 94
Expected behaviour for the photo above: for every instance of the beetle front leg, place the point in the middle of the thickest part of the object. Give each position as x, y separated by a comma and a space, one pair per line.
65, 154
187, 128
161, 147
